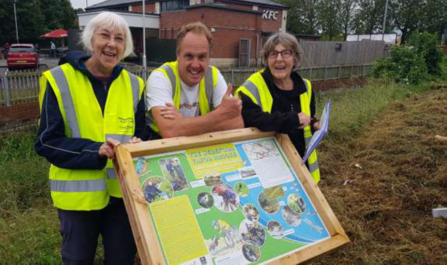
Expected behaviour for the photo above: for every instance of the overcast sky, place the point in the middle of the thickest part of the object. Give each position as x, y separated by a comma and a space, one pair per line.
83, 3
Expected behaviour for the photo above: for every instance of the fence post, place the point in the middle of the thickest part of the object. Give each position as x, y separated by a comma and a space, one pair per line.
6, 89
232, 76
350, 72
310, 74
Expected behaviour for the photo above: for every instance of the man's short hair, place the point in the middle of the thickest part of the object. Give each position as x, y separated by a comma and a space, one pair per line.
196, 27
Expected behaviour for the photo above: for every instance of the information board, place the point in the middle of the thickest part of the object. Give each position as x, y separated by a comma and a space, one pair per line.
226, 202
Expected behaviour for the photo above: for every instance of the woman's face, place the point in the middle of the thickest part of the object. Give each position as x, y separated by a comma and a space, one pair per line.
107, 48
281, 62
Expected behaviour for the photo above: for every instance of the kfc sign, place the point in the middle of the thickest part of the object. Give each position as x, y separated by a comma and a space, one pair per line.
270, 14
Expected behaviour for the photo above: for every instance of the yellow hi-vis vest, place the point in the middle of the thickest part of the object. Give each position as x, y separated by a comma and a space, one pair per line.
257, 90
86, 190
206, 89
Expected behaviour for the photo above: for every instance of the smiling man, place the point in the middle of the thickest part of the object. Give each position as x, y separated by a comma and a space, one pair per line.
189, 97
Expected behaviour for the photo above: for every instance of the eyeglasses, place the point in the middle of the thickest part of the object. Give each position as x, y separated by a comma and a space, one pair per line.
284, 54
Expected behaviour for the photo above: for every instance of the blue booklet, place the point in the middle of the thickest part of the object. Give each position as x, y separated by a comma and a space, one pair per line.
319, 135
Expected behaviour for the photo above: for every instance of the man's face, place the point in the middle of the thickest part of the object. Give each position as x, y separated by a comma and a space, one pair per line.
193, 58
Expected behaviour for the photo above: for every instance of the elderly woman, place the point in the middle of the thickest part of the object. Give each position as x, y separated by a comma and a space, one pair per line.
278, 99
89, 104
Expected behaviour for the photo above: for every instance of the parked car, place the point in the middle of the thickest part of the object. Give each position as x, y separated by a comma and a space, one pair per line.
22, 56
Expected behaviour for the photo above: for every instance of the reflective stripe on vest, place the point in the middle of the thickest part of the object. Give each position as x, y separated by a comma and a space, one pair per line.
77, 185
111, 174
120, 137
135, 84
254, 91
71, 119
313, 167
209, 86
171, 76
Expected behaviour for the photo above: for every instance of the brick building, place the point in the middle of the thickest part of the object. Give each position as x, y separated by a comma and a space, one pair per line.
239, 27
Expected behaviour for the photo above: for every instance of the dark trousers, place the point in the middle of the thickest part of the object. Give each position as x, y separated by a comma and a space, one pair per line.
80, 231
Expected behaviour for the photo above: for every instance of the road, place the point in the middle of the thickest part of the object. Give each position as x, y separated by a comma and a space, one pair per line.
44, 63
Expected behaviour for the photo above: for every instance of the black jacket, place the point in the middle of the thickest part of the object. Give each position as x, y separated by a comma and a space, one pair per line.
76, 153
284, 115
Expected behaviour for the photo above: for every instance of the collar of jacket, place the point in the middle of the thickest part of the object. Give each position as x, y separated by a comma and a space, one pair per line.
77, 59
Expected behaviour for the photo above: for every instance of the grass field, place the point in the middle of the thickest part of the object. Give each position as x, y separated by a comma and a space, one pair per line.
29, 231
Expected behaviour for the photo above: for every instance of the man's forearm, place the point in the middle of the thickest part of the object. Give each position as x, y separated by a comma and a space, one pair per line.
190, 126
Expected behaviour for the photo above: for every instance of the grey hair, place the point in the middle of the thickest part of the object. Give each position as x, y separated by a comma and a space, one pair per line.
287, 40
110, 21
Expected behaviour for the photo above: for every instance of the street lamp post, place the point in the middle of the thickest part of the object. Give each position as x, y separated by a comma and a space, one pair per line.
384, 20
144, 41
15, 18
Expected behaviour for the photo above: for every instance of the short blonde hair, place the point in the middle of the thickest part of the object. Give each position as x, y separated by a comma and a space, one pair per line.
196, 27
287, 40
110, 21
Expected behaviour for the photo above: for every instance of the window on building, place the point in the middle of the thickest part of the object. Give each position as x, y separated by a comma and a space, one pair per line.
171, 5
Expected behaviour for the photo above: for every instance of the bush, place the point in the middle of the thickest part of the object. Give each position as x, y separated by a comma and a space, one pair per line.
426, 45
403, 66
411, 64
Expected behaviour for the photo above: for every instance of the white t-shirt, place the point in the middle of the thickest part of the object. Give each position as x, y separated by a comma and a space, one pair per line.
159, 92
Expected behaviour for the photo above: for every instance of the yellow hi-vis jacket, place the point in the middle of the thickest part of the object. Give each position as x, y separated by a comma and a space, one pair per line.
206, 88
257, 90
87, 190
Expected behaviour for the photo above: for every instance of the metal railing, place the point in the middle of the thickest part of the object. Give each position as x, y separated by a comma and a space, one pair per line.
19, 86
23, 86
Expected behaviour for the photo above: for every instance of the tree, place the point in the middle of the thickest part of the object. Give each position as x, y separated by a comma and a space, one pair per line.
29, 20
418, 15
58, 14
406, 15
302, 16
34, 18
369, 18
347, 12
329, 18
436, 15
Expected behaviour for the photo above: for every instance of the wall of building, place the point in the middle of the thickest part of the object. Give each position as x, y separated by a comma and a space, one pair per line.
226, 32
138, 8
271, 19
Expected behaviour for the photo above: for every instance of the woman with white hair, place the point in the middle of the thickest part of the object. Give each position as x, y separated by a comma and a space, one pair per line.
90, 104
278, 99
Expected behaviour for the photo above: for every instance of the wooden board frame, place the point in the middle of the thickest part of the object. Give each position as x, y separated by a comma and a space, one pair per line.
145, 236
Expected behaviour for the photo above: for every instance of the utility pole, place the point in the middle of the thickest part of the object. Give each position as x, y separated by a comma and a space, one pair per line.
15, 18
384, 20
144, 41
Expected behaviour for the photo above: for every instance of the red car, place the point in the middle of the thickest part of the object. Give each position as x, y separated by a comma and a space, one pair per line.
22, 56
